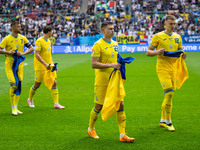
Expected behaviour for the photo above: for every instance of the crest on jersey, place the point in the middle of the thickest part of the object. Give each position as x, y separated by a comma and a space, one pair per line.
36, 46
113, 54
17, 46
170, 46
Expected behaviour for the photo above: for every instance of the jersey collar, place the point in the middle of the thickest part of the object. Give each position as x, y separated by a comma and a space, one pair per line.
168, 34
14, 36
44, 39
107, 41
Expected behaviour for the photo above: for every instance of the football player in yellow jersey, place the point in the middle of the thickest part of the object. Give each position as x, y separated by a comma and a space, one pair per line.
42, 61
104, 59
12, 42
166, 66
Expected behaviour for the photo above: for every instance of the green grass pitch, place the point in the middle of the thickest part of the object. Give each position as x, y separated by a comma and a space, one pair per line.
45, 128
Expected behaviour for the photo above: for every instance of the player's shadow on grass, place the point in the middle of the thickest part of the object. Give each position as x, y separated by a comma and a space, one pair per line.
89, 143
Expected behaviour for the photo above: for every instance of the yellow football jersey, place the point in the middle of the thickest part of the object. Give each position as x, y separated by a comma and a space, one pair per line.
171, 42
17, 43
44, 47
107, 53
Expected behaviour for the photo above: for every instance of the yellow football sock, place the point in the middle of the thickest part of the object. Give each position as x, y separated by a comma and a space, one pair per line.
54, 93
93, 117
167, 104
31, 93
163, 115
121, 119
16, 100
12, 95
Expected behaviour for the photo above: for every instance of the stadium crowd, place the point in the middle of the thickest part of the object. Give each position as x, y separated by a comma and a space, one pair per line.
143, 17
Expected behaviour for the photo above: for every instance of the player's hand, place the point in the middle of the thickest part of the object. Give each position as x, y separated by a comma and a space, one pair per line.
184, 55
12, 52
47, 66
116, 65
20, 54
160, 51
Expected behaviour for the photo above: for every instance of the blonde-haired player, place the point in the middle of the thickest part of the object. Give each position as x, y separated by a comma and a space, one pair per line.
166, 66
12, 42
104, 59
42, 60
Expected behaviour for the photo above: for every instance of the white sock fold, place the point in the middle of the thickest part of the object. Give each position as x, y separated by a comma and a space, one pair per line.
168, 121
121, 135
89, 129
162, 120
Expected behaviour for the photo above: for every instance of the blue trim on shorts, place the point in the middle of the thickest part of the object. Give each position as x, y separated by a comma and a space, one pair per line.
13, 84
170, 90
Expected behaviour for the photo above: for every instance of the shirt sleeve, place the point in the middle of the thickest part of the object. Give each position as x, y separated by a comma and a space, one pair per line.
3, 43
38, 45
26, 42
95, 51
180, 46
154, 42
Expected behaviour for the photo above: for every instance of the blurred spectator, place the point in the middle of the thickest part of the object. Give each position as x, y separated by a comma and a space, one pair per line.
147, 17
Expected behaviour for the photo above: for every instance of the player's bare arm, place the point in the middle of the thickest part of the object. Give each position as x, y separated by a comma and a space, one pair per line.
98, 65
5, 52
151, 52
30, 49
37, 55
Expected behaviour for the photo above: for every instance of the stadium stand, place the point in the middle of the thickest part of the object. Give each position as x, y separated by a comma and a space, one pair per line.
73, 19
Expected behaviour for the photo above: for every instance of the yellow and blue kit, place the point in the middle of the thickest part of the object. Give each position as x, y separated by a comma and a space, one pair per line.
107, 53
166, 66
14, 43
44, 47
